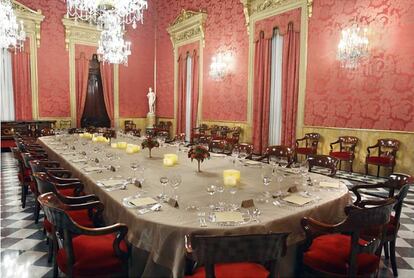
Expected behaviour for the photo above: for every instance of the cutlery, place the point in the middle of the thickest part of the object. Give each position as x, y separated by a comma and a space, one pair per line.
156, 207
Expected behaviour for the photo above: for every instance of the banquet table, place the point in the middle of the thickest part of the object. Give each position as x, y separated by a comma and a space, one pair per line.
161, 234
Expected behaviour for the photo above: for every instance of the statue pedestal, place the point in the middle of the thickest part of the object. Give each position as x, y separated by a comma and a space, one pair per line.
151, 120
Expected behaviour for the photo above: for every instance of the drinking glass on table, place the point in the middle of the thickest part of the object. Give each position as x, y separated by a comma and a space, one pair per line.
267, 179
235, 154
175, 182
220, 190
164, 181
233, 191
211, 190
243, 154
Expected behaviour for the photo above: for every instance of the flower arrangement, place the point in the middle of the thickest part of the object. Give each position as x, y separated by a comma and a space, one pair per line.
198, 153
149, 143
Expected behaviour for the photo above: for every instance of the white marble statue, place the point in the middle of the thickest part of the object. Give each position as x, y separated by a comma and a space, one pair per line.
151, 101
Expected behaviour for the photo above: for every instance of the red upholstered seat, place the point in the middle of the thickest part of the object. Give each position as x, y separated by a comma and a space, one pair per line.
305, 150
234, 270
81, 217
383, 160
94, 256
342, 155
67, 192
330, 254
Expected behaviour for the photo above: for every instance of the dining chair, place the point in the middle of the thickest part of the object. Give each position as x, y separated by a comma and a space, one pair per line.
28, 181
346, 150
244, 147
217, 146
197, 132
337, 250
387, 153
129, 125
278, 152
323, 161
242, 256
396, 182
85, 251
311, 145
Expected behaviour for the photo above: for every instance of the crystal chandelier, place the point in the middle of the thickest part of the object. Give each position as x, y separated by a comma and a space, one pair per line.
130, 11
12, 34
352, 47
112, 46
220, 66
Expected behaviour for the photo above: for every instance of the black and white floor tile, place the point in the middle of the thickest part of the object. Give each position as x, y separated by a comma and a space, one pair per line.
24, 250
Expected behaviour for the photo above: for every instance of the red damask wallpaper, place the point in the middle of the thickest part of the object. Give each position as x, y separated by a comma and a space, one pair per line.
138, 76
225, 31
53, 61
380, 93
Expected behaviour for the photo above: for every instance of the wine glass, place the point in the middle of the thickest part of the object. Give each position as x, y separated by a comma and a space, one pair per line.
175, 182
266, 179
211, 190
220, 190
134, 166
233, 191
164, 181
235, 154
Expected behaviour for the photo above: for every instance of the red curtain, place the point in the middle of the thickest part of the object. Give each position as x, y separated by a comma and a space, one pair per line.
182, 76
262, 67
82, 72
22, 89
107, 75
290, 85
194, 87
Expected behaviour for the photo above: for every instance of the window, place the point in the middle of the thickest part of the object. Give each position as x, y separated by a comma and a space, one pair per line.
6, 86
188, 99
275, 117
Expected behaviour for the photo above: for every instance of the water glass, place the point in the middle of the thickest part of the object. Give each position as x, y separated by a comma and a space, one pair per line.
175, 182
164, 181
211, 190
266, 179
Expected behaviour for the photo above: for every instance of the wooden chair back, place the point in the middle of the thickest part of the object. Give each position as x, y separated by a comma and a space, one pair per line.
257, 248
217, 146
388, 147
324, 161
244, 147
311, 140
282, 152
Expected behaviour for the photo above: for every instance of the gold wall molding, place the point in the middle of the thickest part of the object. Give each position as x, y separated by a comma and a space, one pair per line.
259, 10
32, 22
82, 33
256, 7
188, 27
368, 137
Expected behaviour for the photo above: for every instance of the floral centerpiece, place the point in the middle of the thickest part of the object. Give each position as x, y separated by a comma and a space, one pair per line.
149, 143
198, 153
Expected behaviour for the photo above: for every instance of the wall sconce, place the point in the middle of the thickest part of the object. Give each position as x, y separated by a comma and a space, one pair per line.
352, 47
220, 66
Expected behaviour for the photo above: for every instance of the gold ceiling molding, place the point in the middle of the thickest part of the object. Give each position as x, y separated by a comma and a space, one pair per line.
31, 19
188, 25
253, 7
78, 32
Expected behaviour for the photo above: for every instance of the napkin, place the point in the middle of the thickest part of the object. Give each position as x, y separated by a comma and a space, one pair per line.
332, 184
252, 162
141, 202
91, 169
229, 216
297, 199
112, 182
218, 155
79, 160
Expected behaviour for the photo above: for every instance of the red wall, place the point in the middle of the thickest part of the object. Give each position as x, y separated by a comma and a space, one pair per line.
53, 63
53, 60
225, 31
380, 93
136, 78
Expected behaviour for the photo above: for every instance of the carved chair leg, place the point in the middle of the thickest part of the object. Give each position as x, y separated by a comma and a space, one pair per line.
50, 251
366, 168
37, 211
392, 257
340, 164
351, 169
392, 169
378, 170
386, 252
24, 194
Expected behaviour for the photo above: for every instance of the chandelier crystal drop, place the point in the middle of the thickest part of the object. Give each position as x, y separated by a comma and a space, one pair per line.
352, 47
12, 34
130, 11
112, 47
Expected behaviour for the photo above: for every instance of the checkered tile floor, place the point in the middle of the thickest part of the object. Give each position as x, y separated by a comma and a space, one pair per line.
24, 250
